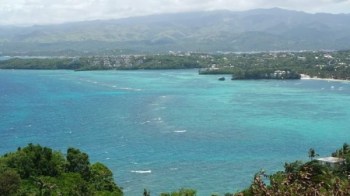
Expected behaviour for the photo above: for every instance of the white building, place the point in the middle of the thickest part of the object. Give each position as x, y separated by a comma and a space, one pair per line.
331, 161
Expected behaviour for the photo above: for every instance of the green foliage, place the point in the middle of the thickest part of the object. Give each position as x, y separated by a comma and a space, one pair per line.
78, 162
102, 178
37, 170
284, 65
259, 30
9, 182
261, 65
181, 192
312, 153
74, 184
35, 160
310, 178
41, 63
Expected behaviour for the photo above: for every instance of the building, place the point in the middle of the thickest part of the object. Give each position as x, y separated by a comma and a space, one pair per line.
331, 161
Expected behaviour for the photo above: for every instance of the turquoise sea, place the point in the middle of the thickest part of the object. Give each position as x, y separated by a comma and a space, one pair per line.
163, 130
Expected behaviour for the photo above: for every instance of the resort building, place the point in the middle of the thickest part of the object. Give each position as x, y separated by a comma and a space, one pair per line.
331, 161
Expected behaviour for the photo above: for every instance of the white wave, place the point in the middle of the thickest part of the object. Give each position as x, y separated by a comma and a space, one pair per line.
141, 171
130, 89
180, 131
174, 168
126, 88
158, 119
145, 122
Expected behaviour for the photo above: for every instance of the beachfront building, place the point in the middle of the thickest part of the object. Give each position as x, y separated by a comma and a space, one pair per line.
331, 161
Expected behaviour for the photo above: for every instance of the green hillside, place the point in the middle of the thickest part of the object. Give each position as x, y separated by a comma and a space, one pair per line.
255, 30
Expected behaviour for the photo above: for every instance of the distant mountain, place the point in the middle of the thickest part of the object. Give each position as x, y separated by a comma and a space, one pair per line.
254, 30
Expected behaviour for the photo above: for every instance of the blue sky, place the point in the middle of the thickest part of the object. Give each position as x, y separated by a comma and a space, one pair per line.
29, 12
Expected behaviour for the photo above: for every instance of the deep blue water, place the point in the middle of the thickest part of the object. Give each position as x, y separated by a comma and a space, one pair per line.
163, 130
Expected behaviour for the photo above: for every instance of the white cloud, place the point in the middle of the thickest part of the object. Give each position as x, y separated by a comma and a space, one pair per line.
58, 11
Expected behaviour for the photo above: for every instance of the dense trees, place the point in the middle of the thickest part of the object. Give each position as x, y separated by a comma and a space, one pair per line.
181, 192
242, 66
9, 182
78, 162
255, 66
261, 73
41, 63
310, 178
37, 170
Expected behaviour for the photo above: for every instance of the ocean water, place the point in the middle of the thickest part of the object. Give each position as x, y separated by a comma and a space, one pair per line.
163, 130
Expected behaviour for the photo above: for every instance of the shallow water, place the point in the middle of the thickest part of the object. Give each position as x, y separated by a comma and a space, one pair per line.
163, 130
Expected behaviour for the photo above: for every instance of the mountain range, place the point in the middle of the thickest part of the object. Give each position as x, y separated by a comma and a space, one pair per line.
272, 29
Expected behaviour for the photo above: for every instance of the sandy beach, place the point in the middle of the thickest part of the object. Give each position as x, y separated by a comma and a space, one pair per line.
307, 77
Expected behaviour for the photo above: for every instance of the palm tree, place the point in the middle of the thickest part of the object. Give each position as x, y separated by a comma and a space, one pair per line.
345, 149
312, 153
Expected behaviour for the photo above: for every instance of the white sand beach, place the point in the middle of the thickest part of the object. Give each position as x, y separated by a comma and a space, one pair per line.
307, 77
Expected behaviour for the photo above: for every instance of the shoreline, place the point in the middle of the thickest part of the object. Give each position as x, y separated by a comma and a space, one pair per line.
307, 77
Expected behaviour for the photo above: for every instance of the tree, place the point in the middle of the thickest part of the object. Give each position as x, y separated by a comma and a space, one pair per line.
312, 153
345, 149
35, 160
78, 162
146, 193
102, 178
44, 185
9, 182
181, 192
37, 170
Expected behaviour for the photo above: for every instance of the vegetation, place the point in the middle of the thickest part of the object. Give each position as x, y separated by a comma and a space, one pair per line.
334, 65
254, 30
181, 192
310, 178
283, 65
41, 63
37, 170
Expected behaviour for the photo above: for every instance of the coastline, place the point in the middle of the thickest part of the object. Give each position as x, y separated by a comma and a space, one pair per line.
307, 77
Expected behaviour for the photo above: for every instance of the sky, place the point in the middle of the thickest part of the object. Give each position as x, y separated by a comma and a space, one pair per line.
30, 12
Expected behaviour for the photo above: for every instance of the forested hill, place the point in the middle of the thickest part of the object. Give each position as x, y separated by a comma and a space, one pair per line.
255, 30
